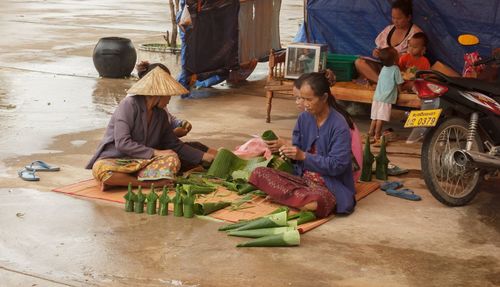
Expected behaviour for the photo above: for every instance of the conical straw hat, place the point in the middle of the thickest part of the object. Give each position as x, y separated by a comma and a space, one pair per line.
157, 83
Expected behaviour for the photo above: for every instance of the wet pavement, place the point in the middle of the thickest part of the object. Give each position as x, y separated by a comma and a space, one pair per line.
54, 107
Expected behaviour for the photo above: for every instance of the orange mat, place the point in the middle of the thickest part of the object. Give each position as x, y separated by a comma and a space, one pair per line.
256, 208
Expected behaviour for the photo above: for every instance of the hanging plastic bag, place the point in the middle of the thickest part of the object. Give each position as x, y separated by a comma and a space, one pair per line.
185, 20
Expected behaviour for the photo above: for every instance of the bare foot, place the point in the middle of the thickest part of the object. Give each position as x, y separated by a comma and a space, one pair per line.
311, 206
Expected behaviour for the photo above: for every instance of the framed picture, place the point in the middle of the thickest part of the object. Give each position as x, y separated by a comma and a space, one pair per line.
304, 58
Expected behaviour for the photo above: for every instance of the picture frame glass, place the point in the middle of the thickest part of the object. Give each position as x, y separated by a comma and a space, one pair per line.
300, 60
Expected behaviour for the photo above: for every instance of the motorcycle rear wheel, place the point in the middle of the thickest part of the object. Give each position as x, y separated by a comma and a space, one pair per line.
447, 182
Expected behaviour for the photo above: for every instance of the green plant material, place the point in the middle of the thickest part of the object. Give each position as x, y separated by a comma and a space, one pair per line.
209, 207
236, 205
198, 189
281, 209
188, 205
240, 175
256, 233
164, 201
287, 238
177, 200
259, 192
292, 223
368, 158
382, 162
244, 188
306, 216
269, 135
272, 220
139, 201
233, 225
129, 199
226, 162
151, 201
230, 185
279, 163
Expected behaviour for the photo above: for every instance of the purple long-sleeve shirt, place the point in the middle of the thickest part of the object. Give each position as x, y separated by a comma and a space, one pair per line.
333, 155
128, 134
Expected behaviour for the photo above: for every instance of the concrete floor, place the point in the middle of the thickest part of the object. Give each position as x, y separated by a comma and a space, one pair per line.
54, 107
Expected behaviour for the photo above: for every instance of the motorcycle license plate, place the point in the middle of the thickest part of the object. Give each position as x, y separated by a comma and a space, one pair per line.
423, 118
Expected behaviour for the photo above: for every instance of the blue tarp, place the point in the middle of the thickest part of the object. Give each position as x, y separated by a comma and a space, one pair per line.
350, 27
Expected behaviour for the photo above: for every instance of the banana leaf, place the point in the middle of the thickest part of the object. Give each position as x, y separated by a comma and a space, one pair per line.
279, 163
209, 207
240, 175
273, 220
226, 162
381, 161
164, 201
140, 198
233, 225
280, 209
244, 188
151, 200
269, 135
198, 189
288, 238
129, 199
256, 233
177, 200
188, 205
230, 185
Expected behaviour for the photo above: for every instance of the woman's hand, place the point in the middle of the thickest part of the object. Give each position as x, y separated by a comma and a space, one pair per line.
207, 158
180, 132
292, 152
274, 145
376, 53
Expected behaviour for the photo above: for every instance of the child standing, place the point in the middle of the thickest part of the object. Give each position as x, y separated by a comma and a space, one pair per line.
414, 60
386, 92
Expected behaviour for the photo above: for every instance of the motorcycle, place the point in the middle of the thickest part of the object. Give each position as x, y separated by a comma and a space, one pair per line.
459, 119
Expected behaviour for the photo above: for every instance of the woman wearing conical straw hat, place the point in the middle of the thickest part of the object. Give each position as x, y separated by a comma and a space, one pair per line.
139, 145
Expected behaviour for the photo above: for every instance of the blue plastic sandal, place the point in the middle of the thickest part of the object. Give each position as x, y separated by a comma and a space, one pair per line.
404, 193
40, 165
390, 185
28, 175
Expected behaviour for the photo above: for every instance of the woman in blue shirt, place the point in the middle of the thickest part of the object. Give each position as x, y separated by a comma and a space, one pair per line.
321, 152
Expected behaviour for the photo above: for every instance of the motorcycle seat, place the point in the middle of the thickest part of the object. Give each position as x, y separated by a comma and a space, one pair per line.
477, 85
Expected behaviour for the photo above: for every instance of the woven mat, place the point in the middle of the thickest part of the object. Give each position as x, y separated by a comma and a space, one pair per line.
256, 208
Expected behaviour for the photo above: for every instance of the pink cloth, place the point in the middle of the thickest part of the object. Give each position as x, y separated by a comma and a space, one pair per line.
357, 151
253, 148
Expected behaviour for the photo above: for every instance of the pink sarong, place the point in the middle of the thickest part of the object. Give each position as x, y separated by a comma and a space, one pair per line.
293, 191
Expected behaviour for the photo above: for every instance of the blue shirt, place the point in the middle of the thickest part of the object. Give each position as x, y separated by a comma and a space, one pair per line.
333, 155
387, 86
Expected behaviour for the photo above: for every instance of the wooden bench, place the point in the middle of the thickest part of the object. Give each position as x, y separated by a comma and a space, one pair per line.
345, 91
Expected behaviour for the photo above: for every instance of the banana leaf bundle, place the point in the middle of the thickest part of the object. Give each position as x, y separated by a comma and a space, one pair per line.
188, 205
244, 188
368, 158
287, 238
226, 162
208, 207
243, 222
381, 161
151, 200
303, 217
256, 233
164, 201
177, 200
273, 220
198, 189
129, 199
282, 164
269, 135
140, 198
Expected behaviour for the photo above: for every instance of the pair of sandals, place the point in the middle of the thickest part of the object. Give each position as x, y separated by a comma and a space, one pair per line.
28, 173
392, 188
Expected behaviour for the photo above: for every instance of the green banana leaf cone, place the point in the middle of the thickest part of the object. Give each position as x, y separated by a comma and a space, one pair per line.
188, 205
273, 220
306, 216
233, 225
140, 198
209, 207
256, 233
287, 238
269, 135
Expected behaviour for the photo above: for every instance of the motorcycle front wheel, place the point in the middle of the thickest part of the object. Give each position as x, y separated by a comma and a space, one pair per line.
449, 183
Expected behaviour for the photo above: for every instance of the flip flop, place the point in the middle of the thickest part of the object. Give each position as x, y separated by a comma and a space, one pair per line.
391, 185
404, 193
40, 165
28, 175
393, 170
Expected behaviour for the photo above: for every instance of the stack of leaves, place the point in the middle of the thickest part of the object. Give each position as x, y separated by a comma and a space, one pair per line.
226, 163
268, 231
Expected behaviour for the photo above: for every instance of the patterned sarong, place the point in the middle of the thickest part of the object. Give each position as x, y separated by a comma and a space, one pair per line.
161, 167
292, 190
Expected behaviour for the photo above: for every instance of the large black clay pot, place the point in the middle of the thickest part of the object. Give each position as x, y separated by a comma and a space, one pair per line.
114, 57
